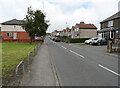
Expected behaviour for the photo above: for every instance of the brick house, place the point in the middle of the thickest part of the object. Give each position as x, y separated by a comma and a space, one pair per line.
83, 30
110, 27
12, 31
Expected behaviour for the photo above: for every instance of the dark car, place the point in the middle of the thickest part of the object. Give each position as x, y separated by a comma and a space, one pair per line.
99, 41
57, 39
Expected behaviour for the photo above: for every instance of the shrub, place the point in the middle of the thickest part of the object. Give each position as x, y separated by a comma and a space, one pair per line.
78, 40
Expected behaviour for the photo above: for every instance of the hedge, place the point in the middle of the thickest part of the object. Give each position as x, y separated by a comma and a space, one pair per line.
78, 40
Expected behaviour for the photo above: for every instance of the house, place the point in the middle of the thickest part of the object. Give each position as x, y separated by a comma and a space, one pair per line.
72, 31
64, 32
61, 33
12, 31
83, 30
54, 33
110, 27
68, 32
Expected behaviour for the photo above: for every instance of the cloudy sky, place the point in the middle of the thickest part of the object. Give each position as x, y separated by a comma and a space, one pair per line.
61, 11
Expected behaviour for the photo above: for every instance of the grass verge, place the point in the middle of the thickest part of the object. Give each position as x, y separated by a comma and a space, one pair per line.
81, 44
12, 54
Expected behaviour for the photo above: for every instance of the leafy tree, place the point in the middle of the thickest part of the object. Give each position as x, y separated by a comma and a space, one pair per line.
35, 23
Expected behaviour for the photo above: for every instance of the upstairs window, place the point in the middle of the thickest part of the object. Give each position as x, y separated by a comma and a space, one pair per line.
14, 26
77, 29
110, 23
103, 25
9, 34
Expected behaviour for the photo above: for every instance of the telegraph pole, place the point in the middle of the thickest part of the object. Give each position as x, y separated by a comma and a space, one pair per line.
43, 5
66, 24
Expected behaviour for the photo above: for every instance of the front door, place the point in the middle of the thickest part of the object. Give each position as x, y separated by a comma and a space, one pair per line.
15, 36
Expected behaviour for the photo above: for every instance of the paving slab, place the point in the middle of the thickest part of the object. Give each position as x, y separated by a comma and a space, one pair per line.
40, 72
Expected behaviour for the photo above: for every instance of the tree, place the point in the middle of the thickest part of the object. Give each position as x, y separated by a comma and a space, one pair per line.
35, 23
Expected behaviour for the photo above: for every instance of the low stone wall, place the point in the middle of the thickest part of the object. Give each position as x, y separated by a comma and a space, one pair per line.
113, 46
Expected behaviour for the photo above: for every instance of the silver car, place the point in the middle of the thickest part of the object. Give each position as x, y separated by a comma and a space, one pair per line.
89, 41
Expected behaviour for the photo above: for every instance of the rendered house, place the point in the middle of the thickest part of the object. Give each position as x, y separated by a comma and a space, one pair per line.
54, 33
64, 32
83, 30
12, 31
61, 33
72, 31
68, 32
110, 27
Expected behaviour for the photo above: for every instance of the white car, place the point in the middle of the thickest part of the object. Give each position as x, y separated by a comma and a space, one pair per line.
90, 40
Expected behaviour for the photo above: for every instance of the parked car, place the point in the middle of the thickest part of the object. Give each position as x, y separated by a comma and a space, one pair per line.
51, 37
99, 41
57, 39
89, 40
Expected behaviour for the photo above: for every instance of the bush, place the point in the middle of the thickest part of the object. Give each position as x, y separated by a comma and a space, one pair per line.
78, 40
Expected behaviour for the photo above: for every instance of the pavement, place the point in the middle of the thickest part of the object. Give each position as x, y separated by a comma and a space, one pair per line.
41, 71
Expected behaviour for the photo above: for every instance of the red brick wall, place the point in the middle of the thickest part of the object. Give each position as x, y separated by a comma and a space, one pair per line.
20, 35
20, 40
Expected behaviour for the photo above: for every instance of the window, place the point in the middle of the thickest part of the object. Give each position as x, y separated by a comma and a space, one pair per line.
14, 26
103, 25
9, 34
110, 23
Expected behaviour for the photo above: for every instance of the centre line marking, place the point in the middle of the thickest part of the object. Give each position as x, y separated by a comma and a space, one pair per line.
77, 54
63, 47
109, 70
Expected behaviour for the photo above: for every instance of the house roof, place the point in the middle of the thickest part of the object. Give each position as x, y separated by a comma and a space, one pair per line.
117, 15
59, 31
64, 30
13, 22
86, 26
68, 29
73, 27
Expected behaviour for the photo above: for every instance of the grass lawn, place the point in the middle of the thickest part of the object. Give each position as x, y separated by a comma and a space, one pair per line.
11, 56
81, 44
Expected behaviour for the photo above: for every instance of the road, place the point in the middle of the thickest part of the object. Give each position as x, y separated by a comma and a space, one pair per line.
83, 65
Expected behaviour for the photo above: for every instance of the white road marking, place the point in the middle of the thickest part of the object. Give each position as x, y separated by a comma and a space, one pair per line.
63, 47
77, 54
109, 70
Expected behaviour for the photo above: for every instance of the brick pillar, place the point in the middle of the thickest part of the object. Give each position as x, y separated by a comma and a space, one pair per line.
109, 46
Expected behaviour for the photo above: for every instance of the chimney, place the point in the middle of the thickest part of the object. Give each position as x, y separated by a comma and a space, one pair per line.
82, 22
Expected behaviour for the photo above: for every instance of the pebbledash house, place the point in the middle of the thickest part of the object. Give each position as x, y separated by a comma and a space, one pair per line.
12, 31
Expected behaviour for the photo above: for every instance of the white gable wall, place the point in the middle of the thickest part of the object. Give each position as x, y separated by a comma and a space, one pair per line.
12, 28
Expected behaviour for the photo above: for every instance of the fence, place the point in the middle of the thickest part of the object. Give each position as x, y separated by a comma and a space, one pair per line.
23, 65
